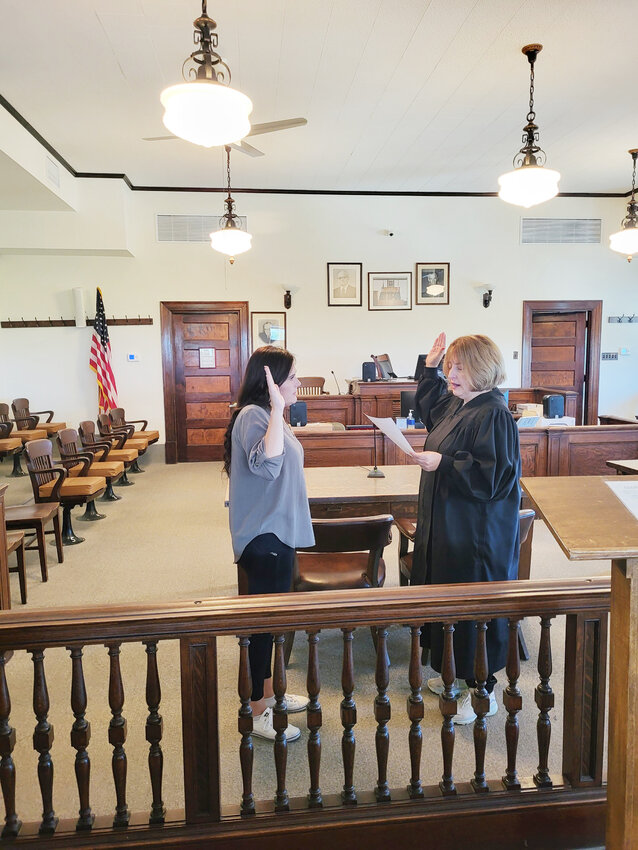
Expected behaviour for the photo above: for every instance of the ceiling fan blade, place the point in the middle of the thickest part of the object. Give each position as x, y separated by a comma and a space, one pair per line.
244, 147
158, 138
273, 126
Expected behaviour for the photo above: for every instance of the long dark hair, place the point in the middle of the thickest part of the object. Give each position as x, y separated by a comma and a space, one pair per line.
254, 389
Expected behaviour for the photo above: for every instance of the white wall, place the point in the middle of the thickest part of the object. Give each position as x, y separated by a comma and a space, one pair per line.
293, 238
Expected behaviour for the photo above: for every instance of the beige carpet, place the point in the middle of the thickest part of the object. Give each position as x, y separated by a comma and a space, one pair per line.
168, 539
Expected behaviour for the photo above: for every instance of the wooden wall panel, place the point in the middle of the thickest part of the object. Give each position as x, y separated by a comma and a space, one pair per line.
556, 353
191, 357
213, 384
553, 330
558, 378
206, 330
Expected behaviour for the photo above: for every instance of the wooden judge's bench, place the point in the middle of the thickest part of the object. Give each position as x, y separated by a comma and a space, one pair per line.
383, 398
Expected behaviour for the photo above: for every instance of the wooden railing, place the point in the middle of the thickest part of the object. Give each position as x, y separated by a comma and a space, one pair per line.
568, 812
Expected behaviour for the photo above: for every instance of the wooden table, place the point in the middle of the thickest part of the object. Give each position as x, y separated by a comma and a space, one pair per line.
590, 522
347, 491
624, 467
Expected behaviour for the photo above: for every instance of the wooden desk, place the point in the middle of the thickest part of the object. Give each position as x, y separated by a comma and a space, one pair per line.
624, 467
590, 522
347, 491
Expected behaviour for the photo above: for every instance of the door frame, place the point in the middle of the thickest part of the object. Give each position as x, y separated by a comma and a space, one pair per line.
594, 310
167, 310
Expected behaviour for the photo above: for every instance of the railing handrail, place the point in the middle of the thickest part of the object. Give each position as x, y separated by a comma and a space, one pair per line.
282, 612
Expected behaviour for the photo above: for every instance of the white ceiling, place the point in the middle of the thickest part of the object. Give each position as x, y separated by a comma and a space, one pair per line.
400, 95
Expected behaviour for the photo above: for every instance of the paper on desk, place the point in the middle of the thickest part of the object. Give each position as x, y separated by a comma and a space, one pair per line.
627, 492
389, 428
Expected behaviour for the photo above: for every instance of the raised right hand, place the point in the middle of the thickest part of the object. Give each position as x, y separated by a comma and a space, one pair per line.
437, 351
277, 402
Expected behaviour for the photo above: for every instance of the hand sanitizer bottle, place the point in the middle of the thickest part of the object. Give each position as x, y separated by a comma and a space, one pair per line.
410, 420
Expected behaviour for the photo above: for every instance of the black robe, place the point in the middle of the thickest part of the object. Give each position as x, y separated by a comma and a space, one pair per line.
467, 527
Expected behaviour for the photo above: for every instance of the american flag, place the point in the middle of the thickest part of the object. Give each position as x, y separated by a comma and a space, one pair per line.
100, 358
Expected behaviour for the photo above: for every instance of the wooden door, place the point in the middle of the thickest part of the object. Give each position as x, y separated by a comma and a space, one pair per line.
205, 349
558, 353
561, 349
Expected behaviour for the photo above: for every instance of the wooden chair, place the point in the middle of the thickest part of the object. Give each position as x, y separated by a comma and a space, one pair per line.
105, 449
51, 483
34, 518
122, 437
11, 446
25, 419
15, 543
384, 367
68, 442
23, 435
407, 529
118, 420
311, 386
347, 555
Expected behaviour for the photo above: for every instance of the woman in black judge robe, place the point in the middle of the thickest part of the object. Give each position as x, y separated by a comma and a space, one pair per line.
469, 497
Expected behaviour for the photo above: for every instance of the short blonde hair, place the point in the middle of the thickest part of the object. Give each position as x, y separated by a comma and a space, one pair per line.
480, 359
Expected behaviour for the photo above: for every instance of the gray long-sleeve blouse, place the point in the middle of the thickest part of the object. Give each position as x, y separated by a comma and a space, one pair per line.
267, 494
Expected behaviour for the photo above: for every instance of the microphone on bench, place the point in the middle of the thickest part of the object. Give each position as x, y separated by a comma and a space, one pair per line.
336, 381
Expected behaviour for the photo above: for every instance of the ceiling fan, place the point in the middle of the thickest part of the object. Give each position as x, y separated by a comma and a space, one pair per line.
255, 130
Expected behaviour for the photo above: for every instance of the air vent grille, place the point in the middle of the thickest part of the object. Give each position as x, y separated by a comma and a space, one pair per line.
548, 231
190, 228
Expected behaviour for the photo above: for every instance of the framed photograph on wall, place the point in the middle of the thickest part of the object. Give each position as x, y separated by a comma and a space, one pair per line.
389, 290
268, 329
432, 283
344, 285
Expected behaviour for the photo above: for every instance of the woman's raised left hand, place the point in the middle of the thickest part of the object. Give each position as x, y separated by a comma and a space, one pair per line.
429, 461
277, 402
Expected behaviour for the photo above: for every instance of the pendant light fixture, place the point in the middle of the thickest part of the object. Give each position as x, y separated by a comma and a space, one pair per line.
626, 240
204, 109
230, 238
530, 183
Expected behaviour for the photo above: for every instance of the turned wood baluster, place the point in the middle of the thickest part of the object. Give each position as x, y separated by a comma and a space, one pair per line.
544, 697
447, 705
117, 736
80, 737
12, 823
348, 710
481, 705
415, 714
280, 722
313, 684
513, 701
382, 713
154, 732
245, 727
42, 742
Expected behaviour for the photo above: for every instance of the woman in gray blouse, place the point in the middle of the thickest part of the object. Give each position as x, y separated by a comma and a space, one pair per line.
269, 512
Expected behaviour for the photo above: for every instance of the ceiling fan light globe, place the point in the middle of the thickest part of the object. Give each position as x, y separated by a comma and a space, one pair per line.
206, 113
528, 185
231, 241
625, 241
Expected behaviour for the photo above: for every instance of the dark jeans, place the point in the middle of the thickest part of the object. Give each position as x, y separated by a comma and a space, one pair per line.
268, 564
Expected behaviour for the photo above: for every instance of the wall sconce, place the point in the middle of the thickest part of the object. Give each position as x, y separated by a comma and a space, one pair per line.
486, 290
288, 293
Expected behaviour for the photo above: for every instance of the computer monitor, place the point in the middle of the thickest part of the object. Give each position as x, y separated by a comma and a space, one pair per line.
407, 403
420, 366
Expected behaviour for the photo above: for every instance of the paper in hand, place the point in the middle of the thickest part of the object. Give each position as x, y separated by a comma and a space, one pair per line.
389, 428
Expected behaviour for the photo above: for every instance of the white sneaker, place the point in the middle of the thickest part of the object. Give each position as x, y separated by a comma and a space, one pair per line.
466, 713
263, 728
294, 702
437, 687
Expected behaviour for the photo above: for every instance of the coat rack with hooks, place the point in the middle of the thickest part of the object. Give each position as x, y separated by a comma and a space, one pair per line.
623, 319
70, 323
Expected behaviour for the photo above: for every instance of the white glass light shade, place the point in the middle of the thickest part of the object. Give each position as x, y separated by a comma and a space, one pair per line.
231, 241
435, 289
206, 113
528, 185
625, 241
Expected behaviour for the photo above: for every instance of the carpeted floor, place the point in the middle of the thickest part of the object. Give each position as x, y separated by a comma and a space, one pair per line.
167, 539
